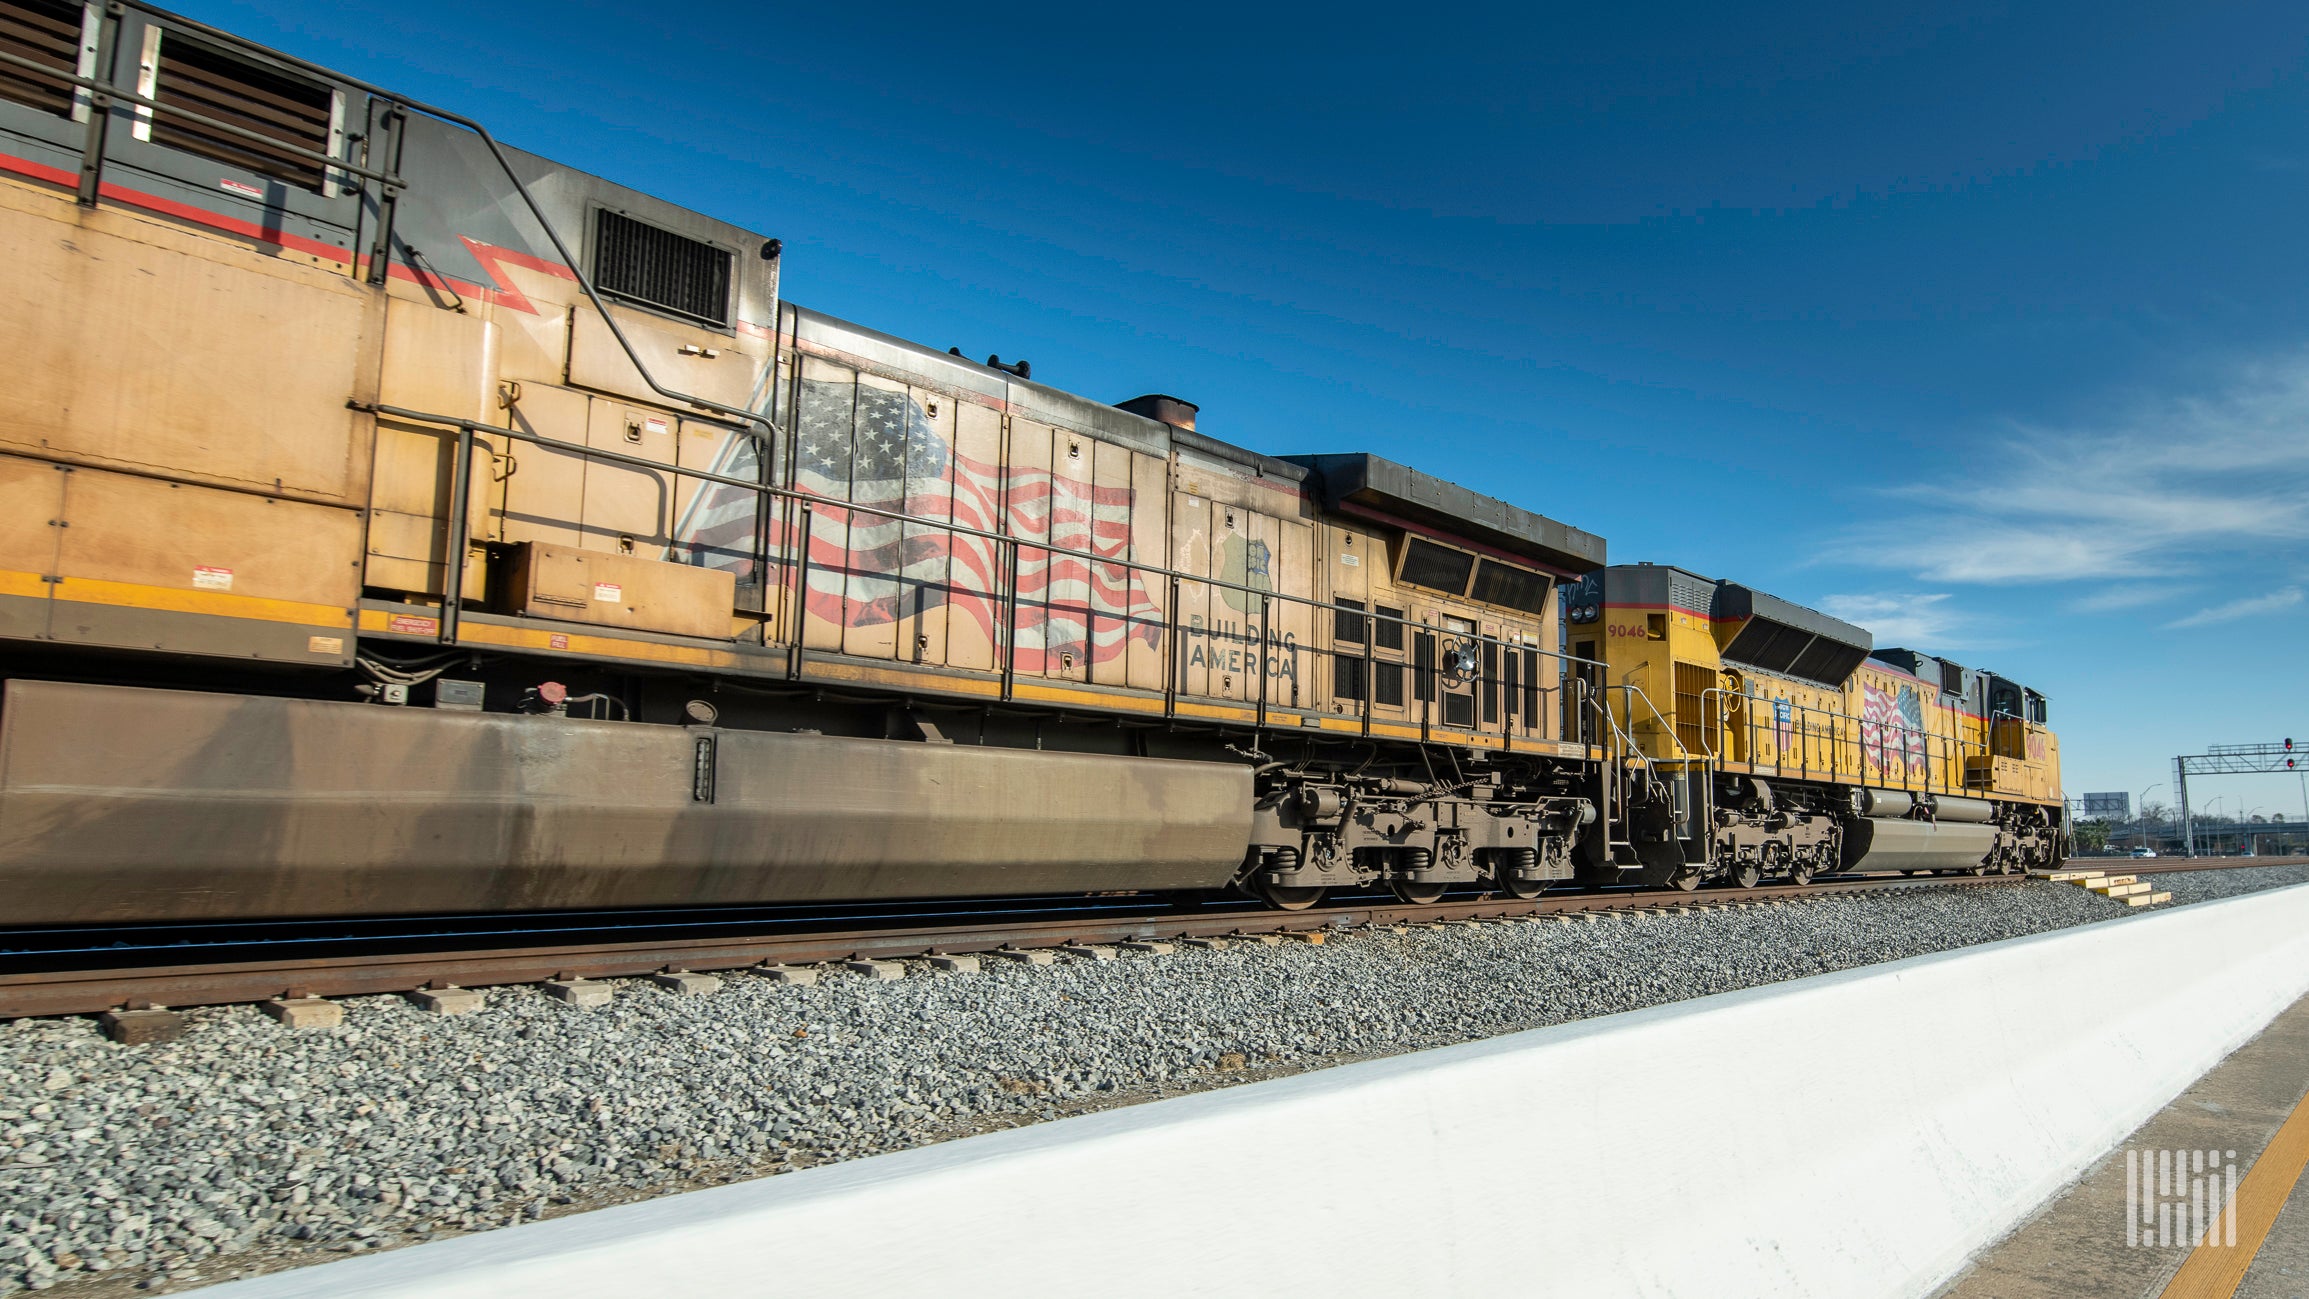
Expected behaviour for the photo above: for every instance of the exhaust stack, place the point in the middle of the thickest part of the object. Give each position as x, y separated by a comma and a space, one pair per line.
1168, 410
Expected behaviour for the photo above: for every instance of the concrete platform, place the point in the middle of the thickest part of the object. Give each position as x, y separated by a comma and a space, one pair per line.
2120, 1231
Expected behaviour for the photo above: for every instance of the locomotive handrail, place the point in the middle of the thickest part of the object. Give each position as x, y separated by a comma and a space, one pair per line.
1635, 692
458, 514
1953, 746
1627, 737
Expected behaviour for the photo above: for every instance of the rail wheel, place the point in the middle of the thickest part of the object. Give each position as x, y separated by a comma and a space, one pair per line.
1686, 879
1505, 862
1285, 897
1800, 872
1747, 874
1523, 890
1418, 895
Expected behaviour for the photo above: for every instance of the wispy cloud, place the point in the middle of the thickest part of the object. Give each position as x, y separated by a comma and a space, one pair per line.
2120, 597
1919, 619
2245, 608
2148, 494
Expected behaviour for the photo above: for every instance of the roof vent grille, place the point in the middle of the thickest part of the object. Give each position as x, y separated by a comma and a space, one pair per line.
295, 113
657, 268
48, 33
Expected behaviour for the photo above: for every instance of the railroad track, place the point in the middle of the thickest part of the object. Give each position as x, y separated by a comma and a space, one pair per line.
76, 990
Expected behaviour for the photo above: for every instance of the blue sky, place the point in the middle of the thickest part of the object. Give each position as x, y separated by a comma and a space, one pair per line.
1988, 326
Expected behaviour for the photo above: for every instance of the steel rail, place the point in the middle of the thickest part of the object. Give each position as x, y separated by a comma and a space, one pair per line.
81, 992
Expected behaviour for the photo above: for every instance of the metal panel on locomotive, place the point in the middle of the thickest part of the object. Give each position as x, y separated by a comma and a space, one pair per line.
1768, 739
400, 522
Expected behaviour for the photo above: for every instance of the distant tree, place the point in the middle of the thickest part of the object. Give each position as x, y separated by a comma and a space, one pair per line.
2092, 837
2156, 813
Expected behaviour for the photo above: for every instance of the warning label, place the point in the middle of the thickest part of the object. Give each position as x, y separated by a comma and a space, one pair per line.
213, 579
608, 592
410, 624
325, 644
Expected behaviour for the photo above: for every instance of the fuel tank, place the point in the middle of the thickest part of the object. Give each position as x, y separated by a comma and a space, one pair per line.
120, 805
1873, 845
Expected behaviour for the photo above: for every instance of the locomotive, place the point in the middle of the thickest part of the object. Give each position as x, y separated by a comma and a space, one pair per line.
1780, 741
398, 522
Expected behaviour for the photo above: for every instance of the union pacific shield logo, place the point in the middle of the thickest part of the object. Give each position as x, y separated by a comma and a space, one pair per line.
1245, 563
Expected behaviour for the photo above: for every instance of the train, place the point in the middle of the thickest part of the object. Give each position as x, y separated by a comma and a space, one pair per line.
398, 522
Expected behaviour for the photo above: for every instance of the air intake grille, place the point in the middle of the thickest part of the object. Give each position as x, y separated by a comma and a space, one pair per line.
1697, 727
48, 33
658, 268
215, 84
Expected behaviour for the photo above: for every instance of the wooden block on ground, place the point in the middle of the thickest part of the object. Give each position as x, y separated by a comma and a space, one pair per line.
682, 983
304, 1012
580, 992
137, 1027
447, 1001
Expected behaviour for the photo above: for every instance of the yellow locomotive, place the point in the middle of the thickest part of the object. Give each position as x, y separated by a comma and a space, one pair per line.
1776, 740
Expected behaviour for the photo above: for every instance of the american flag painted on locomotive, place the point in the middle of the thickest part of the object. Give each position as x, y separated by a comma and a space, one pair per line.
719, 528
1892, 725
875, 447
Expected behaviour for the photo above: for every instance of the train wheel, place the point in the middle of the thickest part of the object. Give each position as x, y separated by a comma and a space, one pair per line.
1747, 874
1799, 873
1686, 879
1522, 890
1284, 897
1418, 895
1505, 862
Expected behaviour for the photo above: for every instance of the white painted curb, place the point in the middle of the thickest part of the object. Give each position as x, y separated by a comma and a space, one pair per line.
1845, 1135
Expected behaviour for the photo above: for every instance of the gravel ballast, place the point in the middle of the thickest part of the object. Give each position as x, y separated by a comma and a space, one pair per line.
245, 1146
